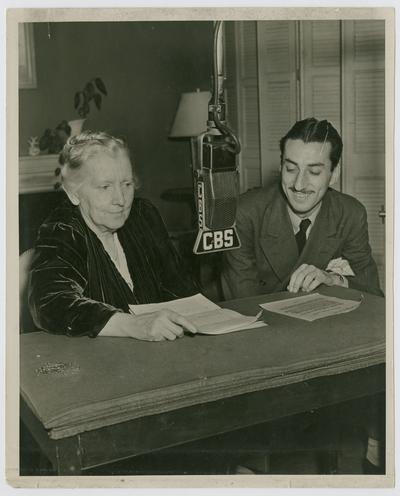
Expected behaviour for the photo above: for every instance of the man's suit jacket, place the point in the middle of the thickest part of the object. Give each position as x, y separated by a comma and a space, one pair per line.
269, 255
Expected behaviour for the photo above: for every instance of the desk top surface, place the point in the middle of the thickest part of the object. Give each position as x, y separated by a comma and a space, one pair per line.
76, 384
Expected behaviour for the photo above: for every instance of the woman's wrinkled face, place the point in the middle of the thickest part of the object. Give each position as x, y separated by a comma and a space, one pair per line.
106, 190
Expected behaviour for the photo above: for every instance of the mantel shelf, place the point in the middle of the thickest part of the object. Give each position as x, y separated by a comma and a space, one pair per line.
36, 174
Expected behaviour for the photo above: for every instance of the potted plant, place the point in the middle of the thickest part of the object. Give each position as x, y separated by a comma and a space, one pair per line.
53, 140
93, 91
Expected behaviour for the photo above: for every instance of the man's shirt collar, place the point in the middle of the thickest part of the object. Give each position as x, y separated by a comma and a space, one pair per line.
295, 219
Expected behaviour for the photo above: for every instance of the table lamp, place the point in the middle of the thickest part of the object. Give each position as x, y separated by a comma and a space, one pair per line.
191, 118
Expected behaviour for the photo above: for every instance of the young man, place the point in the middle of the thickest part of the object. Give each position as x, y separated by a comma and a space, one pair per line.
301, 233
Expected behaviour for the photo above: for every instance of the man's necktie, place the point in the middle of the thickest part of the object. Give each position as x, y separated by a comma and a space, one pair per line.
301, 235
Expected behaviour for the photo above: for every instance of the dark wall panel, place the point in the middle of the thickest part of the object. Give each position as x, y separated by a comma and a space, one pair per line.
145, 66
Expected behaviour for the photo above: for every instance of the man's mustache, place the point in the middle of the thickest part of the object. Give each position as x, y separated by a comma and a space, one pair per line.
304, 191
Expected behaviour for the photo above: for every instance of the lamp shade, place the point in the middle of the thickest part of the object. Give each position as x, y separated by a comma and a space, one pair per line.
192, 114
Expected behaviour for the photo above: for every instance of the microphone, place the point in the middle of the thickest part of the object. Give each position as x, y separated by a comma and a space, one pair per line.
216, 176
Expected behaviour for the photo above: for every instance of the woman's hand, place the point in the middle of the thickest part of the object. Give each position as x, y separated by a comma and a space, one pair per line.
156, 326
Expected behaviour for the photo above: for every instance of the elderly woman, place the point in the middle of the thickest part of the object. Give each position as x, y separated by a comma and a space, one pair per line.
103, 250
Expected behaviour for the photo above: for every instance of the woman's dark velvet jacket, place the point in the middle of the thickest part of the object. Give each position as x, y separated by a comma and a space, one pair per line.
75, 287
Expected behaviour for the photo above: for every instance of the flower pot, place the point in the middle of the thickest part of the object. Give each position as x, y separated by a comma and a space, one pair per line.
76, 126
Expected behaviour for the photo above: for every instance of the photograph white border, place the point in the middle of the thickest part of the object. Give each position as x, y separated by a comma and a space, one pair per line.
12, 354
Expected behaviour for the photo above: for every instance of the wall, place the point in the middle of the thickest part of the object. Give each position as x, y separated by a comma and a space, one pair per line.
145, 66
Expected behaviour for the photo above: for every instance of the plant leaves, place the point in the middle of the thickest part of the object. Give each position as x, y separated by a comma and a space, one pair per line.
86, 98
89, 90
63, 135
44, 142
77, 99
97, 100
85, 109
100, 85
62, 126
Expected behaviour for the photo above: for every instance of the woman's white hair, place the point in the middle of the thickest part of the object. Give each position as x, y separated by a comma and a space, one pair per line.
78, 149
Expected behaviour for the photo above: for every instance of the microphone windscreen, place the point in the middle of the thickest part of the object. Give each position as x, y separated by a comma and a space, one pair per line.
221, 192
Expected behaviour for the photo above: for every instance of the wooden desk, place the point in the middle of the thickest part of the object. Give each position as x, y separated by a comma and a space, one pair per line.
304, 388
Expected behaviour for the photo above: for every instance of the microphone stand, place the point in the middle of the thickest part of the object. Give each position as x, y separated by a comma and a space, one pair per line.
215, 168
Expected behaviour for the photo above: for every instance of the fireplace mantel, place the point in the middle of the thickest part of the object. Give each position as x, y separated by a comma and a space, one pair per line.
37, 174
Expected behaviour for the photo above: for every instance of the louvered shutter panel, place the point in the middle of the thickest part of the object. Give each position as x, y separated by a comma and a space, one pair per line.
242, 97
277, 89
364, 124
321, 81
321, 70
231, 87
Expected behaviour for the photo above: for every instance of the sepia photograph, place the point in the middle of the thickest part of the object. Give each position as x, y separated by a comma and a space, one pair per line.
200, 213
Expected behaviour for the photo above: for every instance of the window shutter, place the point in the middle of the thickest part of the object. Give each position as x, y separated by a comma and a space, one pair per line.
364, 124
242, 97
321, 71
277, 89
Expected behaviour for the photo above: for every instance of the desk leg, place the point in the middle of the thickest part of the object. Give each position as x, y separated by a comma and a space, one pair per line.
65, 455
328, 457
69, 456
329, 462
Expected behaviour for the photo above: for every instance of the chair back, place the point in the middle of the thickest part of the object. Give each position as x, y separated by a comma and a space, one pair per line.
25, 319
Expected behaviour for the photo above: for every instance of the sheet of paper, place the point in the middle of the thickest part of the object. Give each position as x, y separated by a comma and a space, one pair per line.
311, 307
185, 306
222, 321
208, 317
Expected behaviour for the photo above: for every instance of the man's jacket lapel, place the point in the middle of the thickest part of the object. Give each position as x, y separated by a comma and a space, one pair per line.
277, 239
324, 238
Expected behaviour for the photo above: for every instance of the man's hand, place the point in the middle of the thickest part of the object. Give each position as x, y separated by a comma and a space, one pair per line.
156, 326
307, 277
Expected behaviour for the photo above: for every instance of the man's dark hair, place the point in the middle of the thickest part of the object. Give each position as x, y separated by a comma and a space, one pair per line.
312, 130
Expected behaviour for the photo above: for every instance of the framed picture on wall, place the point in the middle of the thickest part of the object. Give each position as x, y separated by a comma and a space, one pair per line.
26, 54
